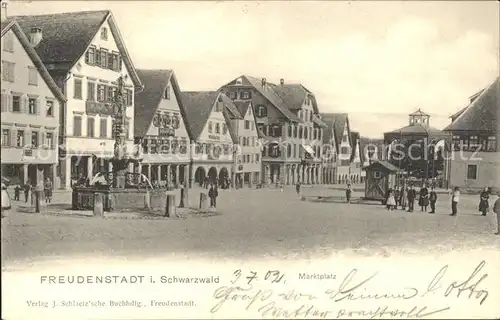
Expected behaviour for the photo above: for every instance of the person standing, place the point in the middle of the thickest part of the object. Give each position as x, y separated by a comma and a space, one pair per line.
212, 194
5, 200
47, 188
423, 200
348, 193
433, 199
455, 198
391, 202
411, 199
496, 209
17, 192
397, 197
403, 197
297, 187
27, 189
484, 203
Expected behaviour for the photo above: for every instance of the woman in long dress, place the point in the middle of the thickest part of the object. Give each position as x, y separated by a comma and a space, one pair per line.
5, 200
484, 203
403, 197
391, 202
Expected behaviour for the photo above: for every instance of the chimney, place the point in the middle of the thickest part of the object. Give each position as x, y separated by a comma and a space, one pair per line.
282, 81
263, 82
35, 36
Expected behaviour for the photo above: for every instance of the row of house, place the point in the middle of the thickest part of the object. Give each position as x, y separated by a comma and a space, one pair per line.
59, 78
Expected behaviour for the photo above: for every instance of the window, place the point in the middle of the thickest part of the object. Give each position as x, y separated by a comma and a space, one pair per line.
492, 144
257, 157
224, 128
32, 76
97, 57
247, 124
474, 143
20, 138
311, 117
8, 42
113, 133
245, 95
344, 150
34, 139
90, 56
101, 93
261, 111
116, 62
104, 57
300, 132
49, 138
78, 89
306, 131
109, 65
166, 94
210, 126
77, 126
114, 92
90, 91
8, 71
16, 104
104, 34
110, 93
49, 108
305, 115
289, 150
103, 128
32, 106
471, 172
232, 95
217, 128
90, 127
377, 174
319, 134
344, 138
5, 137
129, 95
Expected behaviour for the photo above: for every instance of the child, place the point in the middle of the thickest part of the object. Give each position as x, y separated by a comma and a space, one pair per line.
391, 202
17, 192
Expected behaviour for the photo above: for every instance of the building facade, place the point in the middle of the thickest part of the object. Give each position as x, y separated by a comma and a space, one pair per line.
475, 161
31, 103
356, 160
160, 128
86, 61
287, 117
211, 142
329, 155
247, 159
343, 139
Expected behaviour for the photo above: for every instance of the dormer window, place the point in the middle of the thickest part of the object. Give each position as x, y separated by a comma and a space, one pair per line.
245, 95
166, 93
239, 81
104, 34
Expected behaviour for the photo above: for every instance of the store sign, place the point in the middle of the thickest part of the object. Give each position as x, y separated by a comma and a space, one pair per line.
211, 136
166, 132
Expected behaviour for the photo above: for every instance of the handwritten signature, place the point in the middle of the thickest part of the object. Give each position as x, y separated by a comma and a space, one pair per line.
353, 288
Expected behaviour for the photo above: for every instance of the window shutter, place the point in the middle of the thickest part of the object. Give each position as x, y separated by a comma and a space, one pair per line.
23, 101
38, 105
9, 102
27, 138
5, 105
13, 140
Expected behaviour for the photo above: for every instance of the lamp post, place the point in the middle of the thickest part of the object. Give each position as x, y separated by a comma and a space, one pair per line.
120, 159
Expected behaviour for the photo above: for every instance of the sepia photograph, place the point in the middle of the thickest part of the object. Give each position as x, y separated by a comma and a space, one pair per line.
250, 159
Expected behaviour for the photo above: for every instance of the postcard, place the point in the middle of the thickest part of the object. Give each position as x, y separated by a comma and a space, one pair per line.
250, 160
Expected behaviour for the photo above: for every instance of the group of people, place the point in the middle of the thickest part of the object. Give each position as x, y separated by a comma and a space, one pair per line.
223, 184
27, 189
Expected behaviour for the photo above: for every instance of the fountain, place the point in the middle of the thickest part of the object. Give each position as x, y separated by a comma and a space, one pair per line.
122, 190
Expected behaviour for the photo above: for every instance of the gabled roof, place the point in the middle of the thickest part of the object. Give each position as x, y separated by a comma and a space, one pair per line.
66, 37
416, 129
230, 108
147, 102
384, 165
230, 126
268, 93
355, 140
339, 120
482, 114
14, 26
199, 106
242, 106
419, 113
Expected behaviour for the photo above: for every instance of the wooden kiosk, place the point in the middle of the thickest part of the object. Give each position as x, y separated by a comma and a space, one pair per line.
380, 176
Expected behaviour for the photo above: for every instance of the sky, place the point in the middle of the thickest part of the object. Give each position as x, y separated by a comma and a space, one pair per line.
377, 61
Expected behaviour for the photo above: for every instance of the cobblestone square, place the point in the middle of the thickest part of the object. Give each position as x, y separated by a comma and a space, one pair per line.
251, 223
